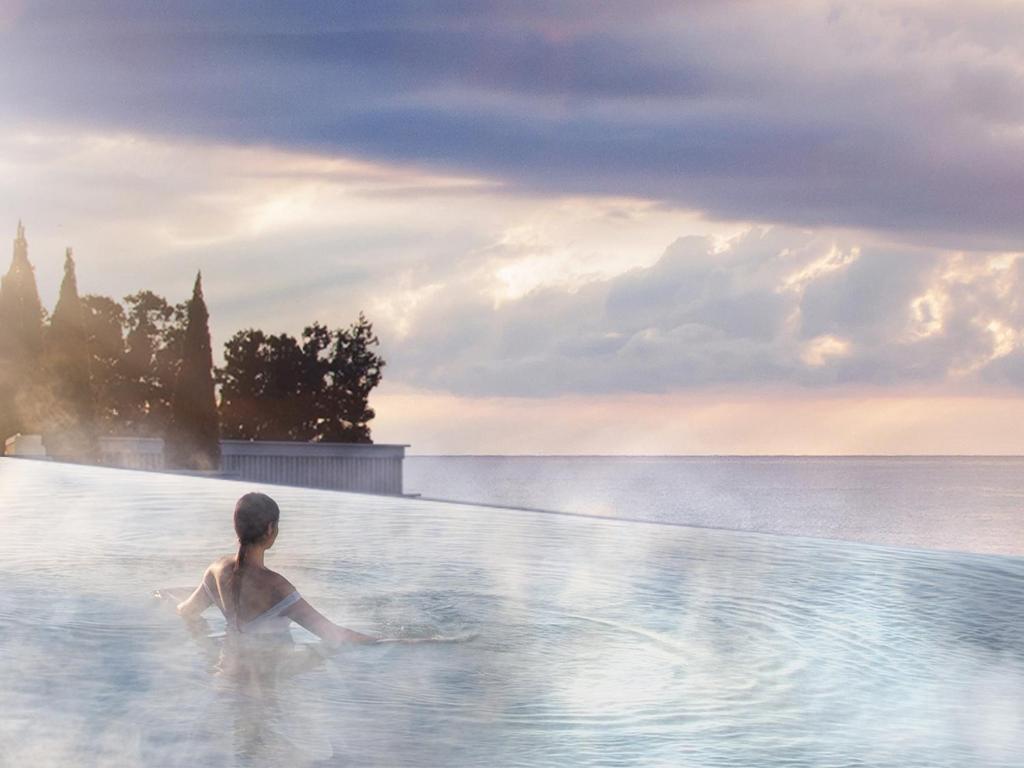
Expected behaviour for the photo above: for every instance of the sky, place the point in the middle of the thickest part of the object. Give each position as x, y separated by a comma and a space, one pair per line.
647, 227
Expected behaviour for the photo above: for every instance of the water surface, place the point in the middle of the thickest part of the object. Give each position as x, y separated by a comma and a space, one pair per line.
967, 503
597, 641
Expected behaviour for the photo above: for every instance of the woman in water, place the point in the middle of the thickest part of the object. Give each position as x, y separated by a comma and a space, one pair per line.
257, 653
258, 603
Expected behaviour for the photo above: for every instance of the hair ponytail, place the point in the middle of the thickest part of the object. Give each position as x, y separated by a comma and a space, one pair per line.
236, 581
254, 512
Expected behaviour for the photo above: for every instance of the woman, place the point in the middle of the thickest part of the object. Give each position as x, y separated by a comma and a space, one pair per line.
258, 603
257, 653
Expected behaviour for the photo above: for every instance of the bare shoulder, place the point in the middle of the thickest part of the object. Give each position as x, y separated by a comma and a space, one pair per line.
279, 584
218, 566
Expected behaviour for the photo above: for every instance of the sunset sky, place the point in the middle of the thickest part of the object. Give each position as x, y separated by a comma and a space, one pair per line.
721, 226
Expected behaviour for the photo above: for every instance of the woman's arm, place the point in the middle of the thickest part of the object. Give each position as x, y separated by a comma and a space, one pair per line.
308, 617
192, 606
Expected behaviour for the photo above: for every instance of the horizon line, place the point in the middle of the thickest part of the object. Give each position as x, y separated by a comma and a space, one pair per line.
723, 455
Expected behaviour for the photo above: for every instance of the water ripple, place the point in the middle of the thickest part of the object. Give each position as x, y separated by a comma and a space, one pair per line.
588, 642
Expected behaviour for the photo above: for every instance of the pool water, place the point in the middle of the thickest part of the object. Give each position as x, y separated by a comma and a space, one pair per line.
583, 641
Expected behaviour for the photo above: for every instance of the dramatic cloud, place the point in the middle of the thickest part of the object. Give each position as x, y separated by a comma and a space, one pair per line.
284, 238
901, 116
483, 293
618, 210
769, 307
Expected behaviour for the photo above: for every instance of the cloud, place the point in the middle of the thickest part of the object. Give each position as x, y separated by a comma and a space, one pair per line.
482, 292
774, 307
895, 116
869, 298
284, 237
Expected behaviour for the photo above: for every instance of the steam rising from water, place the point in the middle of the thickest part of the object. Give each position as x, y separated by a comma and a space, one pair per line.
597, 641
963, 503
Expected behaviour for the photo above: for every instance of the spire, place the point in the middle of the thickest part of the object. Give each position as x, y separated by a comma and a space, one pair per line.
20, 248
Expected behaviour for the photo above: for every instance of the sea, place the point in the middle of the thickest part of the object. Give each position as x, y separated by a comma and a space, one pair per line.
959, 503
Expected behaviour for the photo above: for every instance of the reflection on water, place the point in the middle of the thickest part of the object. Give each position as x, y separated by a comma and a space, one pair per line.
595, 642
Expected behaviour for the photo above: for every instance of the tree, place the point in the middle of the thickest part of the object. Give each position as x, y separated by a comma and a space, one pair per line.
241, 385
70, 422
270, 384
105, 322
149, 368
193, 433
353, 370
278, 388
145, 368
21, 343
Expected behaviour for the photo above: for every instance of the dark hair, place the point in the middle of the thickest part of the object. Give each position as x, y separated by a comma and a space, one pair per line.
253, 513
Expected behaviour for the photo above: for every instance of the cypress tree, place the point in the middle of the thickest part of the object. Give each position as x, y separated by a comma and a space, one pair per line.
21, 341
193, 436
70, 422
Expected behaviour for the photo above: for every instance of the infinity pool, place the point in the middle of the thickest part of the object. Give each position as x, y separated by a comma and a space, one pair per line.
583, 641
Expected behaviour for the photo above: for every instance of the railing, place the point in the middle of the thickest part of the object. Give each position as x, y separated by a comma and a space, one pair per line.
336, 466
132, 452
361, 468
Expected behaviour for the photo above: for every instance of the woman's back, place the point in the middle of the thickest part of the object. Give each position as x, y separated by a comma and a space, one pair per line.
264, 596
257, 602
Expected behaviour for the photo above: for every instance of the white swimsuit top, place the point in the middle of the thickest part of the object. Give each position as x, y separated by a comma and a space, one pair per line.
271, 621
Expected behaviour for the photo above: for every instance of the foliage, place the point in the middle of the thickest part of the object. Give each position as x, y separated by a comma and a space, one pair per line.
149, 367
193, 435
268, 387
69, 421
353, 370
104, 323
278, 388
21, 343
144, 367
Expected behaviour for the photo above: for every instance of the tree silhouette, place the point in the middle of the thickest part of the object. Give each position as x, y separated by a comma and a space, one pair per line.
353, 370
277, 388
105, 321
21, 343
149, 368
145, 368
269, 387
70, 423
193, 433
